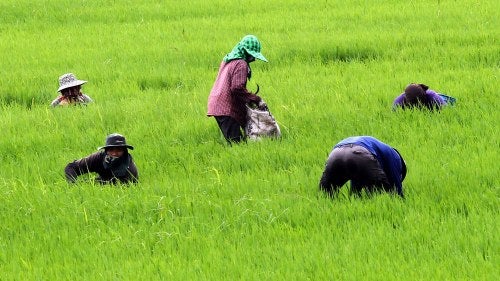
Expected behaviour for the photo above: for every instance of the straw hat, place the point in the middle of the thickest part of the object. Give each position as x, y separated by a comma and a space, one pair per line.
69, 80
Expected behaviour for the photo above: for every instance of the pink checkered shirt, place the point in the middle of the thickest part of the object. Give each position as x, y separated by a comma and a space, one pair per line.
229, 94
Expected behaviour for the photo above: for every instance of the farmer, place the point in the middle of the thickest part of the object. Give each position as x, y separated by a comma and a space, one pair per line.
419, 96
70, 87
229, 96
368, 163
111, 162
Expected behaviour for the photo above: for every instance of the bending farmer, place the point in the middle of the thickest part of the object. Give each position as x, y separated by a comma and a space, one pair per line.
368, 163
111, 162
229, 96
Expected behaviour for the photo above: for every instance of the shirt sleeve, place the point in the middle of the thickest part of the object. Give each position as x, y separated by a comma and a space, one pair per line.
56, 102
394, 169
398, 101
82, 166
86, 98
435, 98
239, 84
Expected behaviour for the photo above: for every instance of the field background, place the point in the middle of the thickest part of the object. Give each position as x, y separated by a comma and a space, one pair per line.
207, 211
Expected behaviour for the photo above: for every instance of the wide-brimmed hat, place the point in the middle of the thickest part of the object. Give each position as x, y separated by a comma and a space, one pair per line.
115, 140
69, 80
252, 45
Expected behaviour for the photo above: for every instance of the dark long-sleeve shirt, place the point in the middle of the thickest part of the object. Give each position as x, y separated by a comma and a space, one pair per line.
391, 161
94, 163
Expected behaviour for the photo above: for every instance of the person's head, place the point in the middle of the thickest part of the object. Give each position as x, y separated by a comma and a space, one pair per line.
71, 91
116, 146
415, 93
252, 48
248, 49
249, 58
69, 85
115, 152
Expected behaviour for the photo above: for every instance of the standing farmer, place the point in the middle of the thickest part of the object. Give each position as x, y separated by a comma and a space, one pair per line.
229, 96
112, 163
367, 163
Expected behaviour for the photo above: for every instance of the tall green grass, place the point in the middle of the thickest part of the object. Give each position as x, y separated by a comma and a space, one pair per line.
206, 210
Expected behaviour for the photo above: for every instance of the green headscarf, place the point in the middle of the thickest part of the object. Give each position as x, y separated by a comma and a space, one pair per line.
250, 44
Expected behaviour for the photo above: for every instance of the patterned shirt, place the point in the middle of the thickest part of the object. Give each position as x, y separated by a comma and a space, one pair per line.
62, 100
229, 95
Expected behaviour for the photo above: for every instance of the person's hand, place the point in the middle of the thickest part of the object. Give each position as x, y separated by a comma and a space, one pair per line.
262, 105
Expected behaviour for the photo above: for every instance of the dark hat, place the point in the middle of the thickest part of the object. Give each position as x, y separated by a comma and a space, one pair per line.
115, 140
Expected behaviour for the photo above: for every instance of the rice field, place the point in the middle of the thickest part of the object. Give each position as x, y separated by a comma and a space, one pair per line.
204, 210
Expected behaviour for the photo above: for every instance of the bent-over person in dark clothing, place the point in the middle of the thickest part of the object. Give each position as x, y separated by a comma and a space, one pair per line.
112, 163
368, 163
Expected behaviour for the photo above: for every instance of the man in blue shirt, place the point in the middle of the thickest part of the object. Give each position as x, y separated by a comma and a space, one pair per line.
368, 163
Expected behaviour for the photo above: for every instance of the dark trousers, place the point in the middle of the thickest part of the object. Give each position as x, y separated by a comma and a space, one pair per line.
357, 164
230, 128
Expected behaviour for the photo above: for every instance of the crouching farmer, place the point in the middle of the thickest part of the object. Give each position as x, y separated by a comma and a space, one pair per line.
70, 89
368, 163
419, 96
111, 162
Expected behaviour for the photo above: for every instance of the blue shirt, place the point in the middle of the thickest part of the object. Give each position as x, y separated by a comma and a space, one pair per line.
389, 158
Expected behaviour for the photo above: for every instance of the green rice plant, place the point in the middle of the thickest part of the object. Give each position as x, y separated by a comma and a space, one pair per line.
205, 210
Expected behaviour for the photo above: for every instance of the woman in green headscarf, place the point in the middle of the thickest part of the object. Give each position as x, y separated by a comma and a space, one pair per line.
229, 95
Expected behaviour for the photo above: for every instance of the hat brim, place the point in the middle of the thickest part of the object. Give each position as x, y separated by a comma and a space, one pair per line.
257, 55
72, 84
120, 145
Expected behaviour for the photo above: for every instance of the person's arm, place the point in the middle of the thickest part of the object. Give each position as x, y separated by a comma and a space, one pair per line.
398, 102
394, 168
57, 101
239, 84
435, 98
86, 98
82, 166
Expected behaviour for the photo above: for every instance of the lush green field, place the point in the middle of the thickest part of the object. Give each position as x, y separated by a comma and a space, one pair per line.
207, 211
